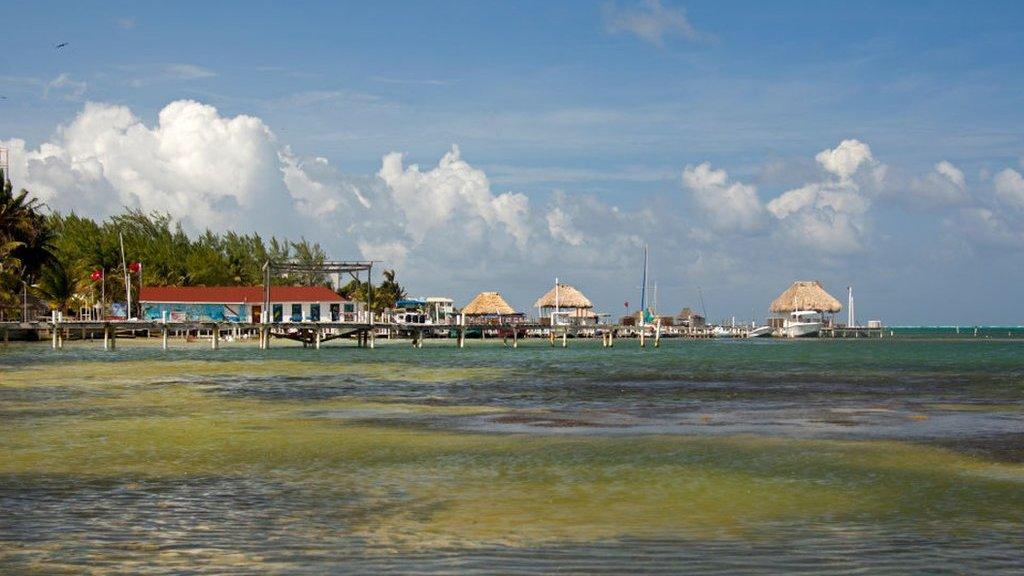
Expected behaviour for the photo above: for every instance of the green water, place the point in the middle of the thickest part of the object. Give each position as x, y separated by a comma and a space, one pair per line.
888, 456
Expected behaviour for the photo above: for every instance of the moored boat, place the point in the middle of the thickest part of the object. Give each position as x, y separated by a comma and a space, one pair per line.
802, 324
760, 332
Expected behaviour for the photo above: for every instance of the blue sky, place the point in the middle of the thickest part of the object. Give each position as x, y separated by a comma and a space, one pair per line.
581, 130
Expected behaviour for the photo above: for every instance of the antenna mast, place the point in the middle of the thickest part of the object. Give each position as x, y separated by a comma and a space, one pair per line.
643, 289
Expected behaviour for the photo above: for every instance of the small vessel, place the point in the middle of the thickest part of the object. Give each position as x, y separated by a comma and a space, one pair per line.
721, 332
802, 323
760, 332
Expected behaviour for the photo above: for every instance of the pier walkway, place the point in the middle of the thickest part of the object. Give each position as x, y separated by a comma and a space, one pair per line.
366, 332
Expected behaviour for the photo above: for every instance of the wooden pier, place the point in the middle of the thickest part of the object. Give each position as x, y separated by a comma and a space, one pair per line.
366, 332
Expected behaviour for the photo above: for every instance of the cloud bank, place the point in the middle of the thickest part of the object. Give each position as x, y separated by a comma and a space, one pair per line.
447, 225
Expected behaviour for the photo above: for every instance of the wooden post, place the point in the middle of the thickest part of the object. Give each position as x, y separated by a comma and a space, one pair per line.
565, 337
163, 337
106, 337
215, 340
611, 339
657, 335
515, 337
372, 337
318, 336
462, 337
551, 336
643, 334
113, 338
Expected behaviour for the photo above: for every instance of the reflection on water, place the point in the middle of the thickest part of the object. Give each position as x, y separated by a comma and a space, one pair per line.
839, 457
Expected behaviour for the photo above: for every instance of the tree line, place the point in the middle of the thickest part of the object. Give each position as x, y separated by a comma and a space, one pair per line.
69, 260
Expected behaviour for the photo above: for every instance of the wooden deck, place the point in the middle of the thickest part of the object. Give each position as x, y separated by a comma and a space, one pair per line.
367, 332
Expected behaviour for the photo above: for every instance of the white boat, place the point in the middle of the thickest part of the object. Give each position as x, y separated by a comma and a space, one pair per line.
802, 323
721, 332
760, 332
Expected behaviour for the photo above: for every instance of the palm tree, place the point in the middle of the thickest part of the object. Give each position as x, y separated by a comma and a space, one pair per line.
57, 285
26, 239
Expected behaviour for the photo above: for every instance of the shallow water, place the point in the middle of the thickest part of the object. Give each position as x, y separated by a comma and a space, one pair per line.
889, 456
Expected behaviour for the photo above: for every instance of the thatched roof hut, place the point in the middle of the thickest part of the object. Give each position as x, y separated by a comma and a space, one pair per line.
805, 295
487, 303
568, 297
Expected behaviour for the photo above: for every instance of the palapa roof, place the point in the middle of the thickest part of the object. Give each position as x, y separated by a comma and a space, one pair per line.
568, 297
688, 313
488, 303
805, 295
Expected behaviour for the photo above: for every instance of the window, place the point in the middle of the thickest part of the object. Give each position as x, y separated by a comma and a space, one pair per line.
350, 308
278, 312
296, 312
335, 312
314, 312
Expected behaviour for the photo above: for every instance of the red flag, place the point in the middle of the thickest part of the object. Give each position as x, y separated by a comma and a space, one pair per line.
134, 267
96, 275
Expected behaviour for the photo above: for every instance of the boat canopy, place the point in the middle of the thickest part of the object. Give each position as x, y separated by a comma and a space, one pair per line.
410, 303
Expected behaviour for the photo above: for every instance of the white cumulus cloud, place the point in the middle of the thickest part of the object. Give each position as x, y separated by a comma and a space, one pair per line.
846, 158
830, 216
1009, 185
728, 206
453, 195
200, 167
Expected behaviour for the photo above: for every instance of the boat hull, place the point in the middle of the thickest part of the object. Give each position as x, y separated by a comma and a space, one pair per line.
802, 329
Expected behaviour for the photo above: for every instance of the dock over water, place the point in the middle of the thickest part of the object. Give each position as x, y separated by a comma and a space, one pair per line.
369, 329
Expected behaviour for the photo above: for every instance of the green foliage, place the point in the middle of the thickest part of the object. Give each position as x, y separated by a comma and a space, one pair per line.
56, 254
26, 241
58, 284
384, 296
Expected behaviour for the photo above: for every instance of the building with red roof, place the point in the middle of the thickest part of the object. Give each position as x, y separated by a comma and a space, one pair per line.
245, 304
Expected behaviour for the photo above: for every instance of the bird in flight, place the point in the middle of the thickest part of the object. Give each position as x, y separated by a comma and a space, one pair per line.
61, 45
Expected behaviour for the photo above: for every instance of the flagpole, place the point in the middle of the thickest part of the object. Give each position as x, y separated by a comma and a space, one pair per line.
127, 280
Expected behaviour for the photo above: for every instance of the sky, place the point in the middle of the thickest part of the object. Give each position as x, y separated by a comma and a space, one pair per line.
478, 146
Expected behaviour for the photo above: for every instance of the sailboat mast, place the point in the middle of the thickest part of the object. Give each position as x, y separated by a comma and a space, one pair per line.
127, 282
643, 288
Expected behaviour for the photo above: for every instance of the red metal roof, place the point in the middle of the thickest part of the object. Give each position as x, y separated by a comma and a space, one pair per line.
237, 294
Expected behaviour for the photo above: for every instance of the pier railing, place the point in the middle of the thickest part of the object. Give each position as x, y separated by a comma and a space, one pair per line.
365, 328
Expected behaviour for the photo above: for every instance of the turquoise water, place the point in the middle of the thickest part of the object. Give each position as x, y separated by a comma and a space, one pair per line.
845, 456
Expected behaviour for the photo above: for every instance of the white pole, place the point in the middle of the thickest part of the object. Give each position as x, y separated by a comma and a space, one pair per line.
851, 320
127, 280
555, 313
